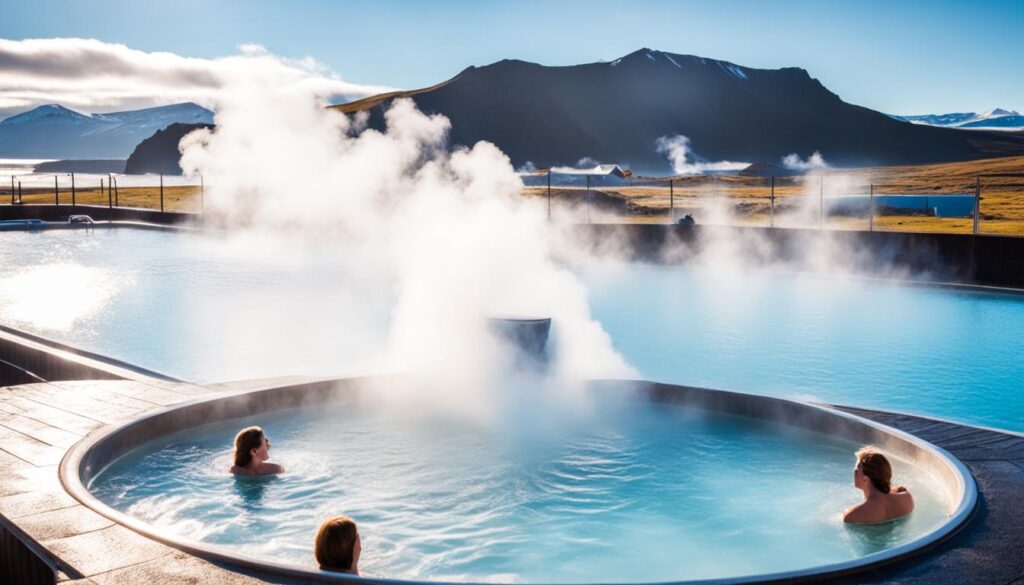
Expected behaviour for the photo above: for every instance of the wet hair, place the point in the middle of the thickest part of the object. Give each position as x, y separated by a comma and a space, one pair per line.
335, 546
877, 469
245, 441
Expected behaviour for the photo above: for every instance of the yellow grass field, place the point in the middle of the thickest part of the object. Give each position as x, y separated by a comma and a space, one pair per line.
740, 200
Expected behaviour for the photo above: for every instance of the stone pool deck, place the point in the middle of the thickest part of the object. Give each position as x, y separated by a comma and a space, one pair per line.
40, 422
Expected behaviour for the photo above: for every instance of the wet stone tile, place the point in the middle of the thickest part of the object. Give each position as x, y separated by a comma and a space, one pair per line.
62, 523
105, 550
35, 502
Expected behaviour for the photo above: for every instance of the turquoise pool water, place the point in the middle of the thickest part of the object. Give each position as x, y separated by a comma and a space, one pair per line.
202, 309
635, 492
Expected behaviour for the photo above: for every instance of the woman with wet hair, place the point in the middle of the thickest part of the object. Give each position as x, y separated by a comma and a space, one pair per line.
338, 546
882, 502
252, 450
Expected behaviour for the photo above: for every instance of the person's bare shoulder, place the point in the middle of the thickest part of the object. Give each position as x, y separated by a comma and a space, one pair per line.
855, 515
271, 469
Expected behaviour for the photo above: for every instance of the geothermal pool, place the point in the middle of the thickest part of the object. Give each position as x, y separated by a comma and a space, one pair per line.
203, 308
633, 492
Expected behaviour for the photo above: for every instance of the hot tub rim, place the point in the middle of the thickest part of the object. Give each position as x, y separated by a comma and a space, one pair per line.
75, 478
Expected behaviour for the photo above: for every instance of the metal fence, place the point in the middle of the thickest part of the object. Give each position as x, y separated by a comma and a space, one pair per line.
986, 203
156, 192
983, 203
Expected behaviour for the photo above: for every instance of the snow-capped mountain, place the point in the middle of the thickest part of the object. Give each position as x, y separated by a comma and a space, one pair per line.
997, 118
53, 131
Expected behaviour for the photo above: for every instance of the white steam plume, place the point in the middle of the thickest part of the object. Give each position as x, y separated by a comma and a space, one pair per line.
447, 232
685, 161
815, 162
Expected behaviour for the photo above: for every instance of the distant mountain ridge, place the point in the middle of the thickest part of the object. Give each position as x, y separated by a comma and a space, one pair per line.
615, 112
995, 118
54, 131
159, 153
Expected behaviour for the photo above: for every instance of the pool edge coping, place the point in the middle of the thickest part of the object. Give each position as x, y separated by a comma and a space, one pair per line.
70, 476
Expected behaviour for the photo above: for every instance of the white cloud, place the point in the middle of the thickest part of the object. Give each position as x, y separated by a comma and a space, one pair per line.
94, 76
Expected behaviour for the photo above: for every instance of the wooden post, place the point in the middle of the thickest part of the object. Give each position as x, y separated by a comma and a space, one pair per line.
871, 209
977, 202
821, 201
549, 193
771, 221
671, 201
588, 198
12, 189
73, 200
56, 192
161, 192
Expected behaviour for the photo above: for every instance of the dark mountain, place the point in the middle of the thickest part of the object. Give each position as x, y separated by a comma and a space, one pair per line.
614, 112
159, 153
53, 131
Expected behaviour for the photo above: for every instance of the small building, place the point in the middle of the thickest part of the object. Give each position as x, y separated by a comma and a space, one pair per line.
608, 175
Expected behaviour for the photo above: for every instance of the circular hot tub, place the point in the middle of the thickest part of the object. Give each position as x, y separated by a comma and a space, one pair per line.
648, 483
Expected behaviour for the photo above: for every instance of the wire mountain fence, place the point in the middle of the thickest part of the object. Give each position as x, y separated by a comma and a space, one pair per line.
979, 204
158, 192
983, 204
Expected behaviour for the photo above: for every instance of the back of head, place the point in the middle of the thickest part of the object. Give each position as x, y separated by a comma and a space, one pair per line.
335, 544
877, 468
245, 441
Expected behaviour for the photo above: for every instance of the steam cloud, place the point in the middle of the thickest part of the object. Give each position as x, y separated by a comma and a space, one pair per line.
686, 162
446, 230
813, 163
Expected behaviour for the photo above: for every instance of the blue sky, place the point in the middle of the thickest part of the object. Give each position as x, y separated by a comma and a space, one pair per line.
898, 57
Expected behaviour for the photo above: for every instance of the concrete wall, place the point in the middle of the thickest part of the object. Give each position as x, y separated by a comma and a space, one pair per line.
986, 260
25, 358
97, 212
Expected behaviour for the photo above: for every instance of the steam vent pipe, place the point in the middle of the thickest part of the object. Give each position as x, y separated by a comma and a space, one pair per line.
529, 335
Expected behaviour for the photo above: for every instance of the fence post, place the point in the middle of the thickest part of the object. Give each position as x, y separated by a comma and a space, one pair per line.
588, 199
73, 200
771, 220
671, 201
821, 201
56, 193
20, 199
871, 209
12, 189
117, 193
977, 202
161, 192
549, 193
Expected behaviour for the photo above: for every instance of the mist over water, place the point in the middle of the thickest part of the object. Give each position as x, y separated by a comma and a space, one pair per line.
442, 233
